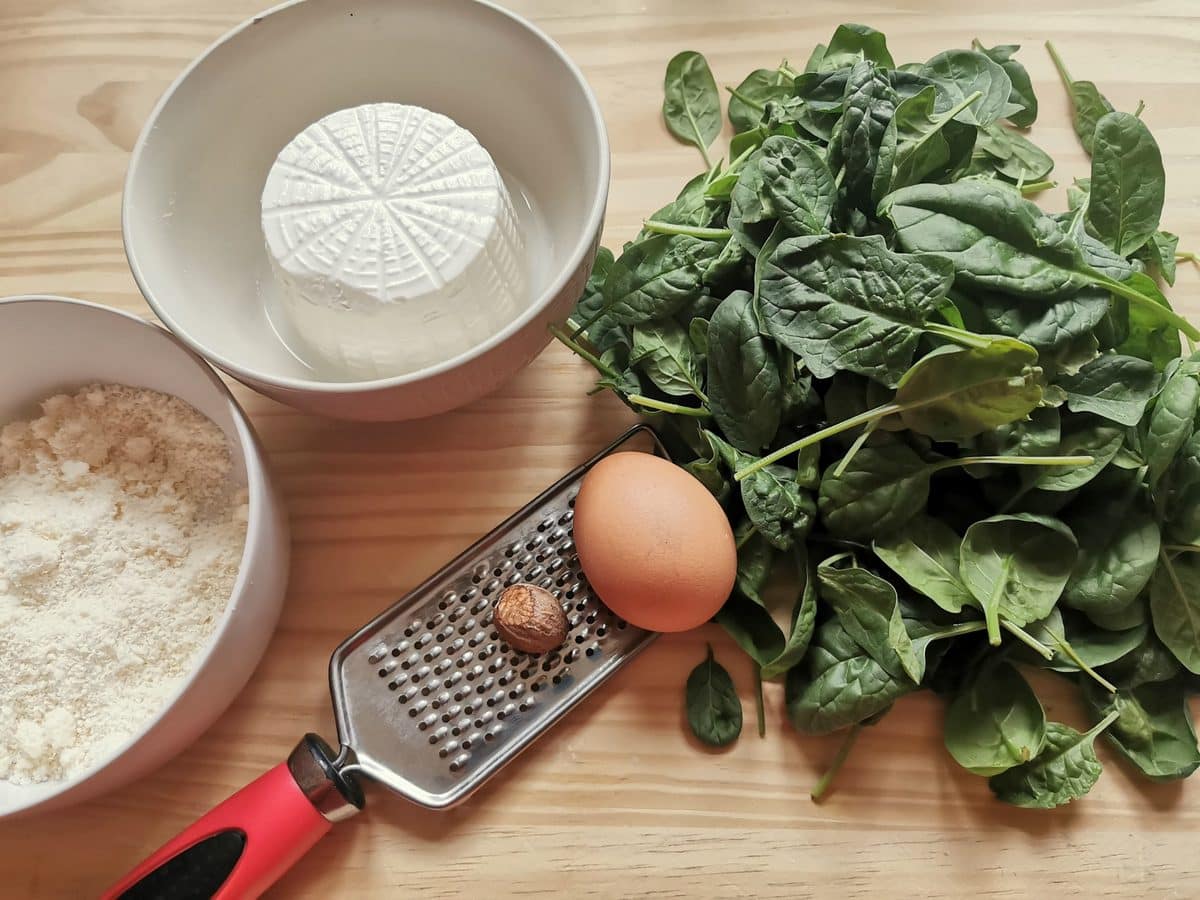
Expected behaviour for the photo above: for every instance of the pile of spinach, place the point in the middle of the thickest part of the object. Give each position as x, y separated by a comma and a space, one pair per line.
966, 427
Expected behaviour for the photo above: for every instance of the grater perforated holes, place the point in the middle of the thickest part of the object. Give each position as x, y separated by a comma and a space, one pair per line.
444, 633
377, 654
459, 762
442, 667
602, 629
422, 672
488, 589
575, 618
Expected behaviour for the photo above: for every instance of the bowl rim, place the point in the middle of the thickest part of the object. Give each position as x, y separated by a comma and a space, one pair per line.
260, 516
592, 227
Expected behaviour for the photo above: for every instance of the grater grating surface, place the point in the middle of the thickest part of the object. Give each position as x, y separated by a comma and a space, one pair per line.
430, 701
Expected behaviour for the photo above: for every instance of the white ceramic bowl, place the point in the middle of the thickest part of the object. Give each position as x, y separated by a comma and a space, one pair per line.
191, 208
51, 344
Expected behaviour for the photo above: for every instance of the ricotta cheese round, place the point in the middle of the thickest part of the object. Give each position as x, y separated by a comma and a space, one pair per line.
392, 239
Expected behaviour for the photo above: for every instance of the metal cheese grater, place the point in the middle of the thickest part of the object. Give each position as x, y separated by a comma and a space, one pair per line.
430, 702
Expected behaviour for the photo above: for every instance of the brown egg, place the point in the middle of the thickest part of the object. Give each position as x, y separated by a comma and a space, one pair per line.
653, 542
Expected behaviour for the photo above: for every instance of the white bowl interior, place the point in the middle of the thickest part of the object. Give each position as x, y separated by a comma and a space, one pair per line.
192, 217
48, 346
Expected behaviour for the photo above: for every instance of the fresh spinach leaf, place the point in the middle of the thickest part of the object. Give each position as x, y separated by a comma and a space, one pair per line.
869, 610
778, 507
803, 624
1082, 435
849, 303
1118, 547
1165, 245
960, 73
656, 277
860, 139
1065, 770
663, 351
925, 555
995, 722
1016, 566
883, 486
1171, 422
1012, 154
1022, 94
749, 99
851, 44
692, 105
1112, 386
1088, 105
956, 392
1128, 183
714, 711
1153, 728
838, 683
1175, 607
743, 375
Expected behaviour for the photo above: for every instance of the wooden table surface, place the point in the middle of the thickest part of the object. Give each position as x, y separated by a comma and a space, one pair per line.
618, 801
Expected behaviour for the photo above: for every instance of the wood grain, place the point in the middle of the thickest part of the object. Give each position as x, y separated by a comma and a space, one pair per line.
618, 801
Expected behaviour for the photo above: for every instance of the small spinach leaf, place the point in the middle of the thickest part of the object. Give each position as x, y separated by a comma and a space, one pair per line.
692, 105
1016, 567
1175, 607
1065, 770
714, 711
995, 722
1112, 386
925, 555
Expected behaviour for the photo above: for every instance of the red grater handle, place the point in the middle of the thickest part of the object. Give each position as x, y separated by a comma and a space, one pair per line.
243, 846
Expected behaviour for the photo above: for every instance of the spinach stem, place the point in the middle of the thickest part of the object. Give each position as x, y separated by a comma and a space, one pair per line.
957, 630
1070, 653
736, 163
1036, 187
1137, 113
1025, 637
854, 448
1123, 290
816, 437
759, 706
991, 612
578, 350
744, 539
839, 759
1182, 548
787, 71
711, 234
750, 102
959, 336
1187, 256
1013, 461
1104, 723
673, 408
1060, 65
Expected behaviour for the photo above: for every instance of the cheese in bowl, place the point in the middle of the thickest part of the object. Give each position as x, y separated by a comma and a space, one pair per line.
393, 242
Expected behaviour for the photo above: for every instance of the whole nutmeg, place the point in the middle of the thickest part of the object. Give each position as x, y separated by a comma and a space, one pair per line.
530, 618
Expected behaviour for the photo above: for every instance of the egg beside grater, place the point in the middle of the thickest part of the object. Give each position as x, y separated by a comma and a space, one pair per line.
430, 702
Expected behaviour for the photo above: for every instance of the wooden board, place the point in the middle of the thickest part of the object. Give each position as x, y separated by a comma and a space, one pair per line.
618, 801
